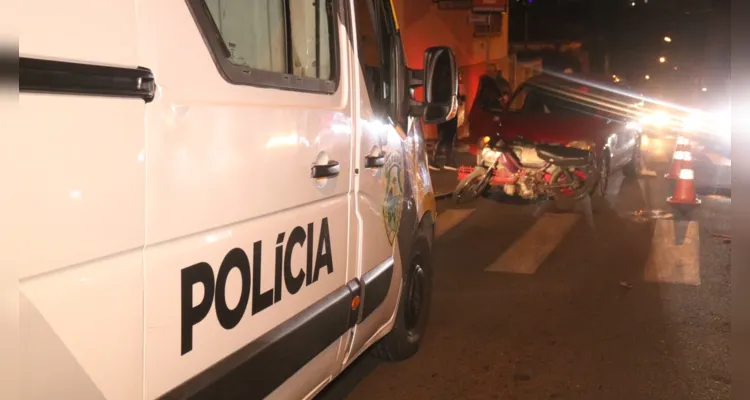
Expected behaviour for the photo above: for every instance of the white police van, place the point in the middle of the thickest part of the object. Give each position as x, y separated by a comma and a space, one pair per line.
218, 198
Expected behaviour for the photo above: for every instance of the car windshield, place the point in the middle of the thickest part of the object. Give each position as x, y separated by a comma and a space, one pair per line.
532, 99
566, 99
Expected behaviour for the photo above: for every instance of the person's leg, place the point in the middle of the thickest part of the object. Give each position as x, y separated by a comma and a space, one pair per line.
451, 132
440, 147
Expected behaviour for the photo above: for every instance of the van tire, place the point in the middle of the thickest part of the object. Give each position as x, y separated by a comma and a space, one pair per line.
404, 339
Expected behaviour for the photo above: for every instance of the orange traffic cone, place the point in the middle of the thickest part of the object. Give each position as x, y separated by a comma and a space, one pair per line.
683, 195
679, 156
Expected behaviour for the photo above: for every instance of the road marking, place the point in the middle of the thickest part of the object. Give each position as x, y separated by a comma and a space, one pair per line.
449, 219
674, 258
535, 245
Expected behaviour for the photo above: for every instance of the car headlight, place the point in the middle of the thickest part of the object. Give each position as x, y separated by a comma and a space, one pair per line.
581, 144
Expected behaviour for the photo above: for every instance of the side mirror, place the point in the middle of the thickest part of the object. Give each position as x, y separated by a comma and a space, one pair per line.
440, 81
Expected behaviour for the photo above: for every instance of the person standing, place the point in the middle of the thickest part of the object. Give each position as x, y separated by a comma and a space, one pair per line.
447, 132
505, 90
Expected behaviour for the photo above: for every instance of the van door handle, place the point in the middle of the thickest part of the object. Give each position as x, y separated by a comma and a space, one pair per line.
375, 161
329, 170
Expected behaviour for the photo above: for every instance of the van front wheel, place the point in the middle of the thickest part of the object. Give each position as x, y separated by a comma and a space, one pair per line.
413, 308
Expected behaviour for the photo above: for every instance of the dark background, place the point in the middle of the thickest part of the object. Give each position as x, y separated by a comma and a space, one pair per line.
628, 40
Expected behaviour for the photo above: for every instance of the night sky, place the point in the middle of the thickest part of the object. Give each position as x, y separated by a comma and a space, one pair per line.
632, 37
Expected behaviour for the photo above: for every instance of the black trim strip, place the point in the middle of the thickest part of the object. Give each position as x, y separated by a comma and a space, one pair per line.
59, 77
256, 370
376, 283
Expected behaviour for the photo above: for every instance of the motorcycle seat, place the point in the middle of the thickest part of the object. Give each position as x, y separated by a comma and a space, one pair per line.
563, 156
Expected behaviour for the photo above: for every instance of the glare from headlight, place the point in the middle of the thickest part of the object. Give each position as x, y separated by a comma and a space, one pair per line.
723, 123
660, 119
633, 126
645, 119
694, 122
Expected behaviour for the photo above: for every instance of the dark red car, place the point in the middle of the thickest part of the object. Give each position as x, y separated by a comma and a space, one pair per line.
567, 110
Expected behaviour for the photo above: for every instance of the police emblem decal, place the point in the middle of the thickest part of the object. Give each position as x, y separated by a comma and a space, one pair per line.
394, 194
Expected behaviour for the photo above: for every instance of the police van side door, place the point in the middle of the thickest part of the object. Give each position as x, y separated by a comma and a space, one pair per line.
248, 194
379, 157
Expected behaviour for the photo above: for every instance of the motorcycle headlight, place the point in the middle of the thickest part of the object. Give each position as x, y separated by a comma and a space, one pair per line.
488, 155
581, 144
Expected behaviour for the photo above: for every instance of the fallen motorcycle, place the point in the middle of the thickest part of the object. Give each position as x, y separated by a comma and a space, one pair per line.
528, 170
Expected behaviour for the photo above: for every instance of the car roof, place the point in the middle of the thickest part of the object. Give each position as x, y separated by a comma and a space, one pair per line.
580, 80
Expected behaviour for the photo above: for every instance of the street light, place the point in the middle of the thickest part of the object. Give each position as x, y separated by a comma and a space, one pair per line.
662, 59
648, 77
667, 39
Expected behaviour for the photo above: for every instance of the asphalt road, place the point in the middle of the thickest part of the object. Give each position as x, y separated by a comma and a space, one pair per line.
547, 307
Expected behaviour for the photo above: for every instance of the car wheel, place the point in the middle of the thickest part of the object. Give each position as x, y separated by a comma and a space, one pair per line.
633, 168
404, 339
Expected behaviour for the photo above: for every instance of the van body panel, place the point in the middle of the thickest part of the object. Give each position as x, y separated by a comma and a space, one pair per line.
188, 247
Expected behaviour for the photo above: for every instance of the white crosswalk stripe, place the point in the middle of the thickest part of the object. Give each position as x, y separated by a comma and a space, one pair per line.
675, 253
535, 245
674, 256
450, 219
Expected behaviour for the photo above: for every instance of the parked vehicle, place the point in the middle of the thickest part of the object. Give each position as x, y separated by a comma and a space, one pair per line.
551, 121
218, 199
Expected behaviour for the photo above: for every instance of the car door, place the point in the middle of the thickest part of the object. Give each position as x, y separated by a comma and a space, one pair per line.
380, 161
248, 155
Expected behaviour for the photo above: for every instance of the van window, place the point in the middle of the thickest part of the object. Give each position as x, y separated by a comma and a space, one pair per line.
253, 31
373, 57
263, 42
381, 57
311, 46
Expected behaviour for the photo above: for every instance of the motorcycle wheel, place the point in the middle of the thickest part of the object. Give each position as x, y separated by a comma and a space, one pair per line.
561, 177
472, 186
